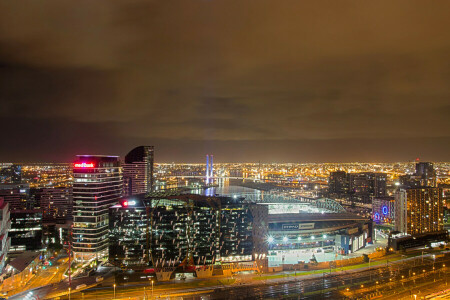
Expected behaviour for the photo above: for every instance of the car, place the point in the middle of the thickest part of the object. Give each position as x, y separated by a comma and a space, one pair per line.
80, 286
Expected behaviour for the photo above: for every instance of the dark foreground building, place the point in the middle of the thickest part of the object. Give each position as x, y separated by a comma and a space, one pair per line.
185, 229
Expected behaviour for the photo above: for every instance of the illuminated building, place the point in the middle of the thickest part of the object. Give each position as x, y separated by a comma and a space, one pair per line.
363, 186
5, 225
419, 210
97, 185
425, 176
26, 230
306, 227
138, 170
17, 195
426, 173
11, 173
338, 183
383, 210
56, 204
199, 230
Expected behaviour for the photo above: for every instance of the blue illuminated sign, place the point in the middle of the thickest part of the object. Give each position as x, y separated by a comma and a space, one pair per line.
385, 210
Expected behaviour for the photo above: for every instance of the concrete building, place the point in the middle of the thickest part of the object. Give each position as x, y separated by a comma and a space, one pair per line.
419, 210
97, 186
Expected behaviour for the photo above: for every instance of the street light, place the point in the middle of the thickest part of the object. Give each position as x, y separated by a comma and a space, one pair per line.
69, 292
152, 288
114, 290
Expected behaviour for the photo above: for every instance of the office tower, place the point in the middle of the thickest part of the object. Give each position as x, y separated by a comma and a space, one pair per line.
97, 186
363, 186
26, 230
338, 183
426, 174
5, 225
56, 204
419, 210
138, 170
17, 195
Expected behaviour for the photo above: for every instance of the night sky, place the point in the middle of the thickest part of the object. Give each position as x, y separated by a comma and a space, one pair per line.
270, 81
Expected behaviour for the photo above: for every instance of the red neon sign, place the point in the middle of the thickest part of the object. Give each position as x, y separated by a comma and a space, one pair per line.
125, 203
83, 165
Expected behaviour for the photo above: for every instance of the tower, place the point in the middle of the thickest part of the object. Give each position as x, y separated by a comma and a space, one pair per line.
209, 168
138, 170
97, 185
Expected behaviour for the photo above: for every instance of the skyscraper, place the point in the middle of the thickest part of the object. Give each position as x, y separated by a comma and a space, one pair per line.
363, 186
97, 186
419, 210
138, 170
426, 174
338, 183
56, 203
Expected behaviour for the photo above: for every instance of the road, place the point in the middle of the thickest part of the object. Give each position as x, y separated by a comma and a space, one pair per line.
383, 280
46, 275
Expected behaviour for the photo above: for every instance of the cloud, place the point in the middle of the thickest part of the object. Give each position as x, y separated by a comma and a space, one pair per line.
220, 72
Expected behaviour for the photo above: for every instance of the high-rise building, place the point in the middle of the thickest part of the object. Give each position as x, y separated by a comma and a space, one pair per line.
425, 176
419, 210
138, 170
26, 230
426, 173
338, 183
5, 225
97, 186
56, 204
17, 195
363, 186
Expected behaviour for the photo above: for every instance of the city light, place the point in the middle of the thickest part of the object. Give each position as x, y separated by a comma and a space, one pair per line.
83, 165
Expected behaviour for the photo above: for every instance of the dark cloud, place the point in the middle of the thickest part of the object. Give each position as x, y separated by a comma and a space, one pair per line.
287, 80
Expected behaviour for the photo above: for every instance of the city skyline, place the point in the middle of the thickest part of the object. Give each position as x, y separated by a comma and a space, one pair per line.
291, 82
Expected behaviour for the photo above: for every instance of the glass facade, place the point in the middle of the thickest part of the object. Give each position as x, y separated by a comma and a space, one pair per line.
185, 229
97, 186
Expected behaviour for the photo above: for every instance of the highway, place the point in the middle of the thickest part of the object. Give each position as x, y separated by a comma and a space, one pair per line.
383, 280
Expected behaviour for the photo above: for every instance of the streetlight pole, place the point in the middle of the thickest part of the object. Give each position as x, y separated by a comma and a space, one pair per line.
114, 290
69, 292
152, 288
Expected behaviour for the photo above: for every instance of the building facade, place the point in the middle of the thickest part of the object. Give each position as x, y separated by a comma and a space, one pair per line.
419, 210
383, 210
5, 226
56, 204
184, 230
338, 183
26, 230
97, 186
138, 170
